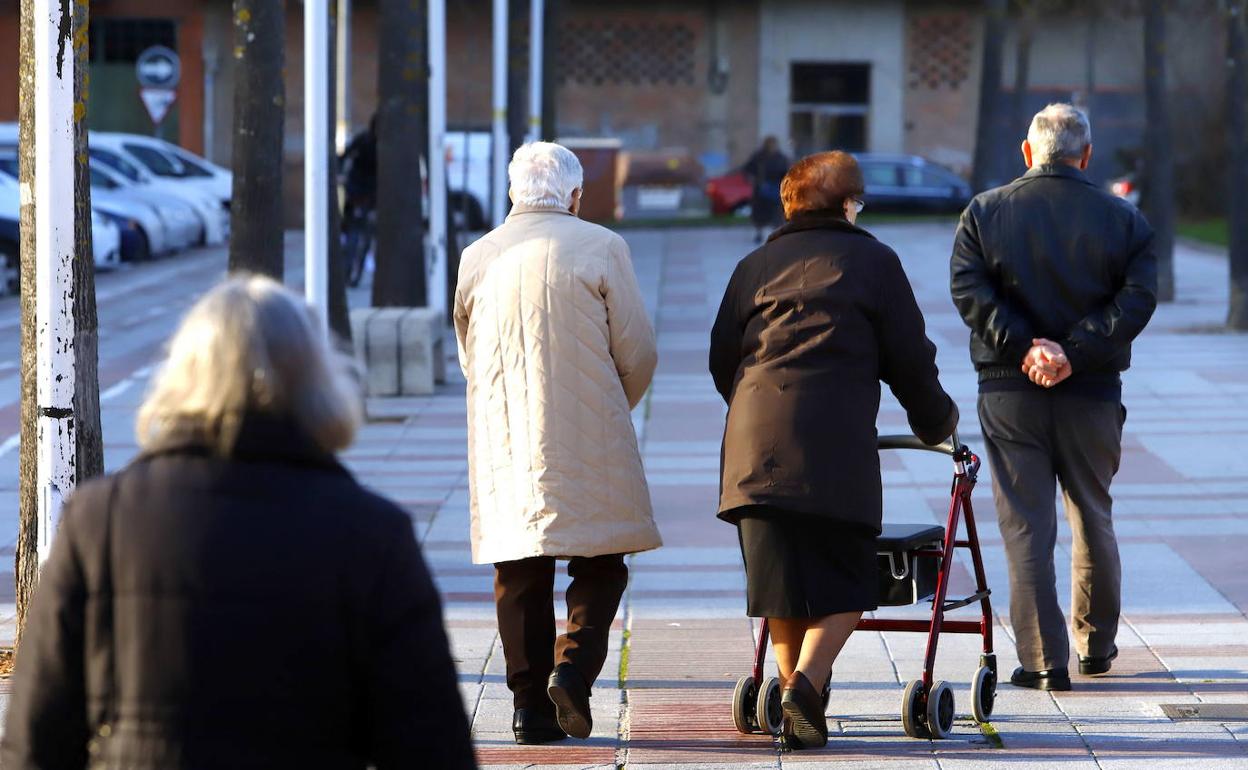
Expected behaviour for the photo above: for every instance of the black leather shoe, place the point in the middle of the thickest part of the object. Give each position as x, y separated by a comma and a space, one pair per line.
1091, 666
570, 694
803, 705
1050, 679
531, 727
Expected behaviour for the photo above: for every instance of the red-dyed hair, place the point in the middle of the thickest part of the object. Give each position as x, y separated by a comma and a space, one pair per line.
820, 181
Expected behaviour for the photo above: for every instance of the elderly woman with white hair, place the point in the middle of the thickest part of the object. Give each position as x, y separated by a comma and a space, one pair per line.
233, 598
557, 349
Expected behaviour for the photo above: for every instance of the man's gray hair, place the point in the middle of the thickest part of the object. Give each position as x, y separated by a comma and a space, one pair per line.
1058, 132
544, 174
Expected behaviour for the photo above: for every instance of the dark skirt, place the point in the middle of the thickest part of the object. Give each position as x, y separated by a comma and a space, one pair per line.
806, 567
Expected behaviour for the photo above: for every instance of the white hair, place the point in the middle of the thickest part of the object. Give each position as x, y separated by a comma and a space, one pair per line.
250, 346
544, 174
1058, 132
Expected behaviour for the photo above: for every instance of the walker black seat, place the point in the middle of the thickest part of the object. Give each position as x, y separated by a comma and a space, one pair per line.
899, 538
905, 578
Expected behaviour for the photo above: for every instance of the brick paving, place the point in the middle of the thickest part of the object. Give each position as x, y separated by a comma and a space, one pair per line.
1181, 513
682, 640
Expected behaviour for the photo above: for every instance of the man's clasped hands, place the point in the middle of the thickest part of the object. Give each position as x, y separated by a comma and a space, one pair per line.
1046, 363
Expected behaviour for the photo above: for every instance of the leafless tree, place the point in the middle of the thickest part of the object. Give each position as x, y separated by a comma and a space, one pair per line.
1157, 191
986, 151
1237, 129
402, 138
259, 123
89, 451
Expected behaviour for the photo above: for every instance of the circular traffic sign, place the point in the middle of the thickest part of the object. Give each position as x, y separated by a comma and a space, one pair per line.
158, 67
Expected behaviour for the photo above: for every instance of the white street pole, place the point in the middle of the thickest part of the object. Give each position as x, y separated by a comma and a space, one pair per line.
500, 143
437, 156
537, 19
54, 258
316, 98
343, 132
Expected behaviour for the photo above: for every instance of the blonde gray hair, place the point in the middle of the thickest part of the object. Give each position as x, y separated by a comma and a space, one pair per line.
1058, 132
250, 346
544, 175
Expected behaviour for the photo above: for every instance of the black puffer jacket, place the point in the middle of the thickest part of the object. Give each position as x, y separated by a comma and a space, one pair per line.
260, 611
810, 324
1052, 255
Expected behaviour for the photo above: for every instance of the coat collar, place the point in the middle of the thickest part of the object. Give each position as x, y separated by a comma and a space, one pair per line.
519, 209
261, 437
1062, 170
825, 219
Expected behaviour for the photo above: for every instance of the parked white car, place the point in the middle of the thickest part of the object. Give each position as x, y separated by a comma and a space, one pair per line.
105, 236
105, 241
169, 162
213, 215
183, 228
143, 232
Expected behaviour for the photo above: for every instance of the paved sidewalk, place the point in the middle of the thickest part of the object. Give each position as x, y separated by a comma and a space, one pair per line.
682, 641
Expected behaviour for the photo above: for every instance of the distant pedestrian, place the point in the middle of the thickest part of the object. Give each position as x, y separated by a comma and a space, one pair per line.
765, 168
1055, 277
233, 598
810, 324
557, 348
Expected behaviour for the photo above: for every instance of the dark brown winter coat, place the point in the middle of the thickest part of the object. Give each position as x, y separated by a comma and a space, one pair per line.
810, 324
255, 612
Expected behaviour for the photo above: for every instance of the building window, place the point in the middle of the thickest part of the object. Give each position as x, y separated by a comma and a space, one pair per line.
829, 104
627, 53
122, 40
940, 50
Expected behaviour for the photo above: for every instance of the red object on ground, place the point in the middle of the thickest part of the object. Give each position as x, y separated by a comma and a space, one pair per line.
728, 192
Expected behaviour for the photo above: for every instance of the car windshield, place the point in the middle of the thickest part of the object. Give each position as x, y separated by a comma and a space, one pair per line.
156, 161
101, 180
119, 164
190, 165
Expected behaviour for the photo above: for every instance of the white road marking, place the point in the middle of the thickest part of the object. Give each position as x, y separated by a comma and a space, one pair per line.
116, 390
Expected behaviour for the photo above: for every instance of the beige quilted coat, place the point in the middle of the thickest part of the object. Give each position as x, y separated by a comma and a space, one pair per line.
558, 349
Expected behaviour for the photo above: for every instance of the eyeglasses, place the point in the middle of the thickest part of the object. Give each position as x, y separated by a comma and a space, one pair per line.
858, 205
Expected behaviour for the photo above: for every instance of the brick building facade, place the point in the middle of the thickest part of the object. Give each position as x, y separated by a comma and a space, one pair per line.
707, 78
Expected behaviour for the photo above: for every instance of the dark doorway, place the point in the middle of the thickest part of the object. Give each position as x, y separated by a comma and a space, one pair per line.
828, 106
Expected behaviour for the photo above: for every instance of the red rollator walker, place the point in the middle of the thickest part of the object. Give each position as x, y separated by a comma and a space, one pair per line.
915, 563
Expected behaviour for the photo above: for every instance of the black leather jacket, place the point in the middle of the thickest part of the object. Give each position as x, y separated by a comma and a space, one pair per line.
1052, 255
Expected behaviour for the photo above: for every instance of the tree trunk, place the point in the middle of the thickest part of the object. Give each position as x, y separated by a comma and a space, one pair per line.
26, 566
256, 243
89, 450
339, 314
550, 69
1157, 192
1237, 125
517, 73
402, 133
985, 173
1020, 120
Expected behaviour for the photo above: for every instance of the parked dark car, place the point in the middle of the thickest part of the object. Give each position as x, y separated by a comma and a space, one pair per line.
912, 184
902, 183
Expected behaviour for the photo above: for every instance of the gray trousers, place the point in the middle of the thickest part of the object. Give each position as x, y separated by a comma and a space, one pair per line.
1034, 440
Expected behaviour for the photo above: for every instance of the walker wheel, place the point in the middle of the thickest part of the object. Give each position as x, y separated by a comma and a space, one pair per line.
767, 706
940, 710
983, 694
913, 716
743, 698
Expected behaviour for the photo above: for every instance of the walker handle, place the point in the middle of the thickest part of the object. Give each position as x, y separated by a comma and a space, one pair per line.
947, 447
